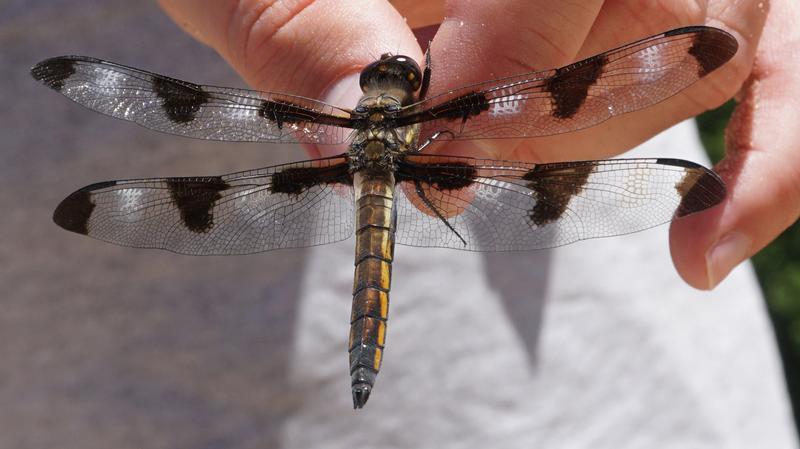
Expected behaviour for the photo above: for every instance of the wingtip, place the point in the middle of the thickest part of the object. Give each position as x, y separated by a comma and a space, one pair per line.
704, 190
74, 211
53, 72
712, 46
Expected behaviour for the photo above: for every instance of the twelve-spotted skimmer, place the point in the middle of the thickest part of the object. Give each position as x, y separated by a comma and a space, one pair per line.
383, 188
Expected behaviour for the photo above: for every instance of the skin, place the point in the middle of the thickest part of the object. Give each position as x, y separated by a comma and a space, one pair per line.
317, 48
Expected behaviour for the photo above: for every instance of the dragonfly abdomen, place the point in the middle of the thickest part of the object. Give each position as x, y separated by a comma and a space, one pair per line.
375, 227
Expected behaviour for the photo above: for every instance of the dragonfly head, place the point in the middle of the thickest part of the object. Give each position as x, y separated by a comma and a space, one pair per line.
391, 71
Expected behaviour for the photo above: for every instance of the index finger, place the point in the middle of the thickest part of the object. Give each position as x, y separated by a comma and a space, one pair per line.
315, 49
482, 40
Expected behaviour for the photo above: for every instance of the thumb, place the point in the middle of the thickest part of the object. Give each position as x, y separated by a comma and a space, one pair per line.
761, 168
313, 49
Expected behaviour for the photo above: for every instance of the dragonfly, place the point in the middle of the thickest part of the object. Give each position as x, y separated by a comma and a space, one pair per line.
385, 188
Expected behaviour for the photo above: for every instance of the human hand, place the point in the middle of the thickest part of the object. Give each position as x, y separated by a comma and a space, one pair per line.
322, 45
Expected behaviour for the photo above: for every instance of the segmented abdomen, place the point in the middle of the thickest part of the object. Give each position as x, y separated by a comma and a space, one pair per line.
375, 227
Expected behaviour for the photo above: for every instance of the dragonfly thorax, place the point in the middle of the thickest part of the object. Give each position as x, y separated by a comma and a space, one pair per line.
376, 145
377, 151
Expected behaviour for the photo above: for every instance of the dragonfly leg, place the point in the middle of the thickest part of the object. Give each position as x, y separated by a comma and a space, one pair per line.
435, 210
426, 74
431, 139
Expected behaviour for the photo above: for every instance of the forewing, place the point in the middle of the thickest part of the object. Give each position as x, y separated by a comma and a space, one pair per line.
285, 206
579, 95
507, 206
179, 107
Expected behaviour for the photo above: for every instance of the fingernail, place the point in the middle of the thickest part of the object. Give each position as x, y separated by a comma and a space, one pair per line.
728, 252
343, 93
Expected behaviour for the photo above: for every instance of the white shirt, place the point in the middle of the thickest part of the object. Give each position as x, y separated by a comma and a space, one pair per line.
598, 344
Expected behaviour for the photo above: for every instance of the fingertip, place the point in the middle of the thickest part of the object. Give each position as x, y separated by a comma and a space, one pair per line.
299, 47
725, 254
690, 241
205, 24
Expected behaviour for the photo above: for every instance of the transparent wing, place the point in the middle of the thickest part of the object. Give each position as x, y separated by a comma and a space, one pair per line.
179, 107
285, 206
579, 95
505, 206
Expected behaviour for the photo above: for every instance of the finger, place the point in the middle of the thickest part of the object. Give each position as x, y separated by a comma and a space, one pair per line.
513, 37
762, 165
629, 130
420, 14
619, 22
629, 20
480, 40
623, 21
310, 48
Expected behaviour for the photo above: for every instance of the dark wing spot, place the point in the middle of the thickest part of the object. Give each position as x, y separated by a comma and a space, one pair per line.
452, 176
282, 111
462, 107
181, 100
53, 72
555, 185
295, 180
712, 48
74, 212
699, 188
570, 85
195, 199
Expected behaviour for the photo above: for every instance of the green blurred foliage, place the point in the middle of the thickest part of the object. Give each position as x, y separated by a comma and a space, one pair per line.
777, 265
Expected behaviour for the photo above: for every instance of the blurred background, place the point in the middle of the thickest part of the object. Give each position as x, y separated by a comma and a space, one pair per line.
219, 343
777, 266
